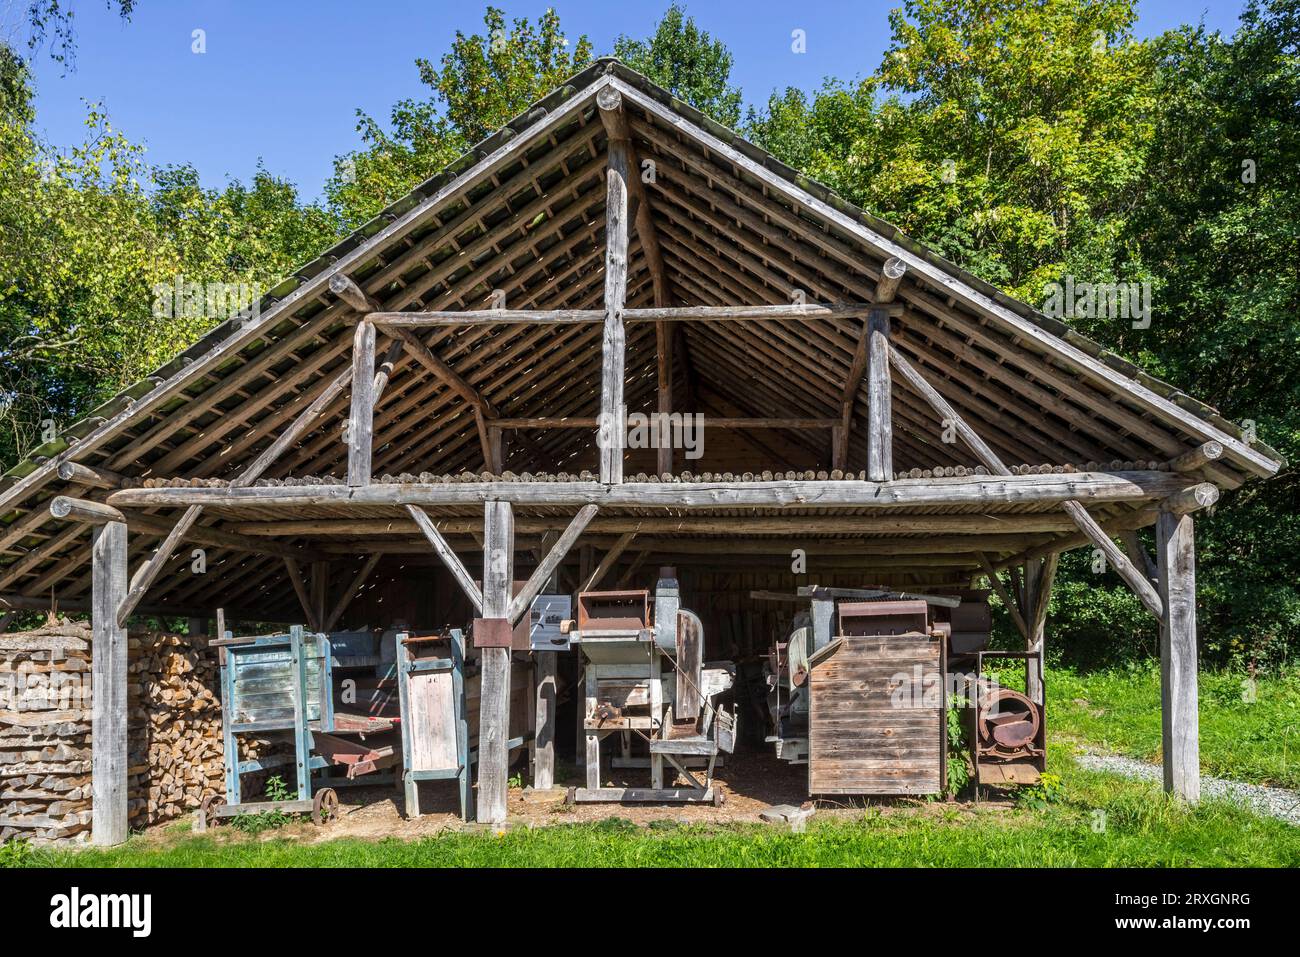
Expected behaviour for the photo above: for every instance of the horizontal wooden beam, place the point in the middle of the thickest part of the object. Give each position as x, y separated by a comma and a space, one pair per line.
881, 523
85, 511
89, 475
708, 421
793, 311
966, 490
1197, 458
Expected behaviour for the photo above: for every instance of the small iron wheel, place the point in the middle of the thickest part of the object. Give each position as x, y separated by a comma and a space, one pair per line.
325, 806
208, 810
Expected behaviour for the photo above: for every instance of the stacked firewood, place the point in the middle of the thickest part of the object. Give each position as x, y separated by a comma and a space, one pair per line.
174, 730
45, 715
174, 727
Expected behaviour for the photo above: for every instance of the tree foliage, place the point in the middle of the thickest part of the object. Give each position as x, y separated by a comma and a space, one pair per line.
1026, 140
688, 63
482, 83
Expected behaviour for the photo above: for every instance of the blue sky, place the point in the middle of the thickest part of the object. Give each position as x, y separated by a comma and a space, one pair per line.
281, 82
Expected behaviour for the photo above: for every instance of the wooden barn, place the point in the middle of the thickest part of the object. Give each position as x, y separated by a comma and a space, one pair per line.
615, 338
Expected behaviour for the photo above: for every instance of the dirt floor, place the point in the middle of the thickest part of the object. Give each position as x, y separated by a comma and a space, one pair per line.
751, 783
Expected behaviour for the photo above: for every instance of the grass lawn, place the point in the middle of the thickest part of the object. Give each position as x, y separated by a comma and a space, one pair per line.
1257, 741
1096, 820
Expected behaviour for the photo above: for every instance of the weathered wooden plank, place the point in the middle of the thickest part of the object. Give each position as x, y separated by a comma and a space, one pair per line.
1180, 744
880, 415
614, 339
361, 422
494, 700
109, 672
964, 490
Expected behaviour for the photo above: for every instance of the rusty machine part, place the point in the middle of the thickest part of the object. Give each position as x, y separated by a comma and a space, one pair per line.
1008, 725
613, 610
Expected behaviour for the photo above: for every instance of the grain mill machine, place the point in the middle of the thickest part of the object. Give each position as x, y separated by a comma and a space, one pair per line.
645, 675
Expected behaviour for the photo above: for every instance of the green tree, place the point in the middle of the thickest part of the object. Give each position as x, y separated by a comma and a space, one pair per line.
88, 233
53, 20
1009, 135
688, 63
484, 81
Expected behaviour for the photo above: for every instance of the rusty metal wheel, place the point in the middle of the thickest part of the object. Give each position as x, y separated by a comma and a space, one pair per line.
208, 811
325, 806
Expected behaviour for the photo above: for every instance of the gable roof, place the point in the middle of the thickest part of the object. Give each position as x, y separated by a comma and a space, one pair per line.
523, 211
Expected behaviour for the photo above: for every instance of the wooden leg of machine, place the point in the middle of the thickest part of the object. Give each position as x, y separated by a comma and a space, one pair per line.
593, 738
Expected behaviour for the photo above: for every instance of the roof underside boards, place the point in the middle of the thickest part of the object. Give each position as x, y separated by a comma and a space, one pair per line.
523, 214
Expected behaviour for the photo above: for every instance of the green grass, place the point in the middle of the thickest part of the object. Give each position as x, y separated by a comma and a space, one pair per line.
1141, 828
1119, 711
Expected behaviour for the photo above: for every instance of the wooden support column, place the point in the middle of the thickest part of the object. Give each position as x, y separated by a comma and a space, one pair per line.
1041, 576
664, 401
320, 586
109, 669
494, 700
1176, 558
362, 422
886, 289
614, 340
616, 126
880, 427
544, 702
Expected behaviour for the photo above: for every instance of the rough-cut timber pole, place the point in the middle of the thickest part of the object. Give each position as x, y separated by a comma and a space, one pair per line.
150, 570
520, 604
1176, 558
613, 555
494, 700
615, 121
1036, 618
1012, 606
614, 340
362, 421
108, 672
345, 599
545, 701
84, 510
880, 423
1135, 579
448, 556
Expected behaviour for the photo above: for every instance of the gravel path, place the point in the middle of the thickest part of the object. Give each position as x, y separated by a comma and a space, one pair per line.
1272, 802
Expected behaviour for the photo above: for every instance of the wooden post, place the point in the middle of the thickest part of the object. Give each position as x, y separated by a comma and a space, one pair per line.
545, 663
362, 423
614, 340
1176, 558
320, 583
1039, 586
664, 403
880, 429
108, 669
494, 701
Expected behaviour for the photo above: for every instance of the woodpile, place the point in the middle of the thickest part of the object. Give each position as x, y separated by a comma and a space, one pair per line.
174, 730
45, 733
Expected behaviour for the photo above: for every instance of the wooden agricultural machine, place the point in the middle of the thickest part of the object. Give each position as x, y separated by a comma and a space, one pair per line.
645, 675
282, 686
